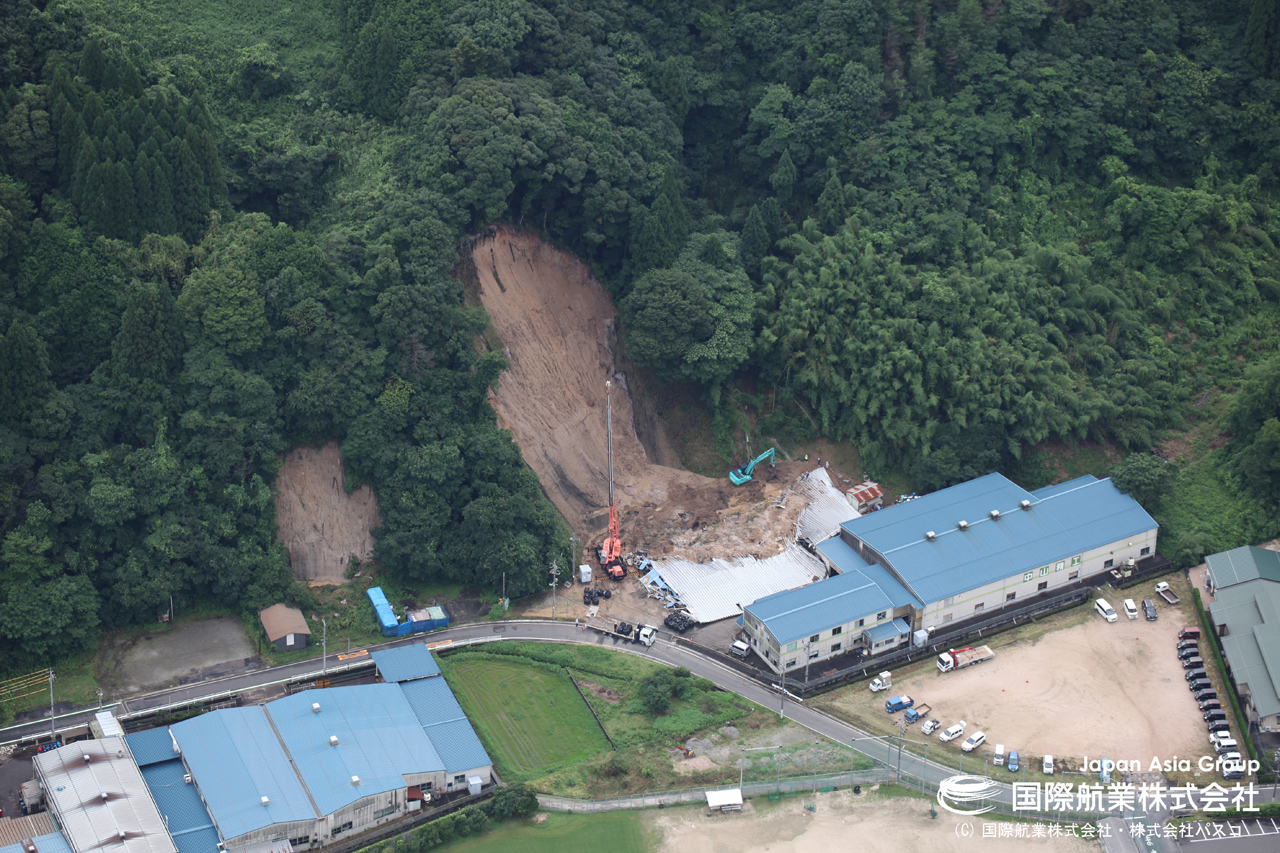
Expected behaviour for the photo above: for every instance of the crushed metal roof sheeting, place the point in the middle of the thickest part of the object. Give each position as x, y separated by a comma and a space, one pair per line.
103, 803
826, 510
721, 588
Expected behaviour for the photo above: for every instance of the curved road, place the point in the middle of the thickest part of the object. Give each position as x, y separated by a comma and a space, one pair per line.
663, 652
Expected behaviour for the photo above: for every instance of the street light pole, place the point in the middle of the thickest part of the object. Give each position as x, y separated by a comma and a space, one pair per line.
555, 581
53, 721
324, 647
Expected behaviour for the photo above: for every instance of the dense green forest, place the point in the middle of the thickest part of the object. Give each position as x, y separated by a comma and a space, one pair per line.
954, 233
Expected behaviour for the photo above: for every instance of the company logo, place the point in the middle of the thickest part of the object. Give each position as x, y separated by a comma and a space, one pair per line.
958, 794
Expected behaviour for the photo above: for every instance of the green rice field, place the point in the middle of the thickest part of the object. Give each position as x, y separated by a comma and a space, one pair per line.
530, 718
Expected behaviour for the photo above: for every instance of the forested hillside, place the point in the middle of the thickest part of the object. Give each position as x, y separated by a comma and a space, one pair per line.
952, 232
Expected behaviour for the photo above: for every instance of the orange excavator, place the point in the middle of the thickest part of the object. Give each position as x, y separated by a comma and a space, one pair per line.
611, 550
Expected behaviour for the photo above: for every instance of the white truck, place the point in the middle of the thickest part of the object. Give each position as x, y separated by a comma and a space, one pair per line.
883, 681
648, 634
960, 658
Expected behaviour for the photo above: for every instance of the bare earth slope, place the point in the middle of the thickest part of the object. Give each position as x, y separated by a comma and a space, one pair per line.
321, 525
558, 328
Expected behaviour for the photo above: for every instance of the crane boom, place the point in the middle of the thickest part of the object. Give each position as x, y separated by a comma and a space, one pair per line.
611, 550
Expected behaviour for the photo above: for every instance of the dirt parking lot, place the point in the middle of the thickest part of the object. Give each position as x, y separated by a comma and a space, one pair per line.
1084, 687
841, 821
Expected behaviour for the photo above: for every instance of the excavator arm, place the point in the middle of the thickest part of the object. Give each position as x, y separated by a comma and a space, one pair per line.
742, 474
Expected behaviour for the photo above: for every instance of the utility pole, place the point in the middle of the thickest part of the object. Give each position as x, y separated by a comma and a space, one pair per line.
555, 581
53, 721
324, 647
807, 658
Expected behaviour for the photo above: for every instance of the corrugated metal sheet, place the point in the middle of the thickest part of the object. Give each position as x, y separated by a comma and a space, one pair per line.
279, 846
107, 724
96, 801
379, 740
441, 717
900, 524
826, 510
179, 803
198, 841
406, 663
721, 588
846, 560
1242, 564
237, 759
1057, 489
47, 842
150, 746
1252, 649
17, 829
797, 613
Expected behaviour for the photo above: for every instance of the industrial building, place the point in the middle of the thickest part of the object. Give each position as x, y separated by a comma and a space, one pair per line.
302, 771
1245, 613
954, 555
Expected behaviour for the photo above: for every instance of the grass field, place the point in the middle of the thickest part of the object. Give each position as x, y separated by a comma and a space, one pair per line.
611, 832
530, 717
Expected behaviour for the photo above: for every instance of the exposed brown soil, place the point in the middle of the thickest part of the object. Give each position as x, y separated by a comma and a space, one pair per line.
613, 697
321, 525
558, 331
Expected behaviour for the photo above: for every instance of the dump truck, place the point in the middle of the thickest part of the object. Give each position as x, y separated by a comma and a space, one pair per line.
883, 681
960, 658
1167, 594
917, 713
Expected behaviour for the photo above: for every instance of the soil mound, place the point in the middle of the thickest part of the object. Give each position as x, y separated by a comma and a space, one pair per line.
558, 328
321, 525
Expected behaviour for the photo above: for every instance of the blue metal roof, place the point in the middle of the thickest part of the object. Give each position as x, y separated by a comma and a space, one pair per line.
379, 740
184, 813
796, 613
236, 760
441, 717
54, 842
406, 663
888, 630
1050, 491
150, 746
1061, 525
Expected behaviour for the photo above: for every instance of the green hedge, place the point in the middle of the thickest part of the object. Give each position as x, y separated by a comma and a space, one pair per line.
512, 801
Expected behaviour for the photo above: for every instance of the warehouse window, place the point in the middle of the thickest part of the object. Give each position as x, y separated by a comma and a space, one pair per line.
813, 655
1073, 576
304, 841
1108, 564
791, 663
947, 618
814, 638
793, 647
389, 810
881, 615
1146, 551
835, 648
460, 779
1043, 585
338, 830
836, 631
859, 624
1011, 596
977, 608
948, 601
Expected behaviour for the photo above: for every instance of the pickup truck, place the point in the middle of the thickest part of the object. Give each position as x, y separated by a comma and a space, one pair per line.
930, 727
960, 658
914, 714
1167, 594
898, 703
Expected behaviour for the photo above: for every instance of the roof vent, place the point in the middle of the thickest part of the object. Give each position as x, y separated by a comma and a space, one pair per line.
1129, 562
355, 780
315, 707
87, 758
266, 801
963, 525
31, 847
123, 835
333, 740
1025, 504
931, 536
995, 513
105, 796
186, 778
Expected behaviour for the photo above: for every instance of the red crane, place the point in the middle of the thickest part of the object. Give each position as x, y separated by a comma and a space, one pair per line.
611, 550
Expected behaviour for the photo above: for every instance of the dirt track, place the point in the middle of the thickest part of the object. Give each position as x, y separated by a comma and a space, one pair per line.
558, 329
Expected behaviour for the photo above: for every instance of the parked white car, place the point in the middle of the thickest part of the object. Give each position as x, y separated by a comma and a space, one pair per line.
974, 741
952, 732
1047, 766
1130, 609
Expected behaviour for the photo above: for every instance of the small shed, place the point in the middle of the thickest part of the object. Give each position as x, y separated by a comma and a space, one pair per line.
866, 497
724, 801
286, 627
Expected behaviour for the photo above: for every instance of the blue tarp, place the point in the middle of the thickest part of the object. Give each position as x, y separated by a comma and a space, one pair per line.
382, 609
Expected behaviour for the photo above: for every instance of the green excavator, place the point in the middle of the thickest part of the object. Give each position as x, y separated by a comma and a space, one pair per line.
742, 474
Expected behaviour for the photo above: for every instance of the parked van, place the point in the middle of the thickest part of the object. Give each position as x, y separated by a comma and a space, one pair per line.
1201, 684
1130, 609
740, 649
1104, 610
1188, 644
1193, 663
1204, 694
1189, 634
1218, 735
1227, 745
1206, 704
973, 741
1197, 675
998, 760
1215, 717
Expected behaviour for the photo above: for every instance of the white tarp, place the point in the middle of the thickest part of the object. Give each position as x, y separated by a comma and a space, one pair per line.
731, 799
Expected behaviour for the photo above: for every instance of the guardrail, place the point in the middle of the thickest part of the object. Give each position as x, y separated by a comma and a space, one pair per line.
790, 784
